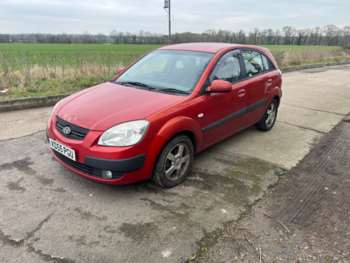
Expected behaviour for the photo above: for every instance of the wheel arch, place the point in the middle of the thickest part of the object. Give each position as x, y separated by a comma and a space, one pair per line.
187, 133
175, 127
179, 125
278, 99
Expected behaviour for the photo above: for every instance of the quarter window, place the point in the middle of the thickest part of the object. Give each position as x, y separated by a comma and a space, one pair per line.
253, 62
267, 63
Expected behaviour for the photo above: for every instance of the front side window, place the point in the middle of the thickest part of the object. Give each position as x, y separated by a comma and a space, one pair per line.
228, 68
168, 70
253, 62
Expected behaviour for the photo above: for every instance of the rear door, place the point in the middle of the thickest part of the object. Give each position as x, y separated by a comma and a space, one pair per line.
258, 81
273, 75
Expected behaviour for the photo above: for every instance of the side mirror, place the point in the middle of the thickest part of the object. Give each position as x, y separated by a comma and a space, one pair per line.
220, 86
120, 70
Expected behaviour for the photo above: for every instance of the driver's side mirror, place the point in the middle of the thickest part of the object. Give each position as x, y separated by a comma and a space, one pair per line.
219, 86
120, 70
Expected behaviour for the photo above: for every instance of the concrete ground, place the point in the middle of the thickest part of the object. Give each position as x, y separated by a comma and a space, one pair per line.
48, 214
304, 218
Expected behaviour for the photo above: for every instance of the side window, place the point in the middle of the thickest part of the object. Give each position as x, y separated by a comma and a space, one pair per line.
267, 63
228, 68
253, 62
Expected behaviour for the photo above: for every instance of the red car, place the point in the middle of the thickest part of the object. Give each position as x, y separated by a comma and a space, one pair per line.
156, 114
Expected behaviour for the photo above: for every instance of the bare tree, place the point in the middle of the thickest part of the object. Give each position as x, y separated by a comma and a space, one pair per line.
328, 35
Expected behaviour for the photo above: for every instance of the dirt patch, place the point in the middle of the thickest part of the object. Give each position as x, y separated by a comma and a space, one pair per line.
59, 190
236, 180
305, 218
139, 231
22, 165
45, 181
16, 186
87, 215
81, 240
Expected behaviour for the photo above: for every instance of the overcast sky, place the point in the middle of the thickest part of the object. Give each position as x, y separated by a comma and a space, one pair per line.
103, 16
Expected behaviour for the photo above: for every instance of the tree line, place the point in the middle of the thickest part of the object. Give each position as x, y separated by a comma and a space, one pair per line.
328, 35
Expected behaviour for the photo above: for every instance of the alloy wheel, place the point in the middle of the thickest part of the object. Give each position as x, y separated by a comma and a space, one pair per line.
177, 162
271, 114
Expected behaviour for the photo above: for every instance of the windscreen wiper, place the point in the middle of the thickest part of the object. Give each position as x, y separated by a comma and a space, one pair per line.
172, 90
135, 83
145, 86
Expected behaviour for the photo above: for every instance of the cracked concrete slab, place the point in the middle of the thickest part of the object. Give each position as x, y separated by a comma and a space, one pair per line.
284, 146
63, 215
311, 119
48, 214
305, 218
10, 254
325, 91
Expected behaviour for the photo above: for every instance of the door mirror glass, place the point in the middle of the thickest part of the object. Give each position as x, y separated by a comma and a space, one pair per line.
219, 86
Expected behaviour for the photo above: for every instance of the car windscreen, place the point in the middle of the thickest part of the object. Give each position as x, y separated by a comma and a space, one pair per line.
167, 70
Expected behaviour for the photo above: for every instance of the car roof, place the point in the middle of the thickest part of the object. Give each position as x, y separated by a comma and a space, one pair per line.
211, 47
207, 47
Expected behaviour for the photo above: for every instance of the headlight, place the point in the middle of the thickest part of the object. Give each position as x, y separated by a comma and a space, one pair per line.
124, 134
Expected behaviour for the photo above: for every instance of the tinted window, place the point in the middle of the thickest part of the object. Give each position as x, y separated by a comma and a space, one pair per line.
253, 62
228, 68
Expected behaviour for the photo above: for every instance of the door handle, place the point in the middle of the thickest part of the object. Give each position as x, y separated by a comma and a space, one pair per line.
241, 93
269, 82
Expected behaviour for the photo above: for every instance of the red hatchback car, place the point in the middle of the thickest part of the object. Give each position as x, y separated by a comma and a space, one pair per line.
169, 105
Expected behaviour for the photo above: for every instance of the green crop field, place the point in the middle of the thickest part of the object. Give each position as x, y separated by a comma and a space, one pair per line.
20, 55
28, 70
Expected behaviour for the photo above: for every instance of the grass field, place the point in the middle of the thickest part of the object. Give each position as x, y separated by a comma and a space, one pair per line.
28, 70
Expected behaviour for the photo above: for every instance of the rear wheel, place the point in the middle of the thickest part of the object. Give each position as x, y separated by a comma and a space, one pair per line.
174, 163
269, 119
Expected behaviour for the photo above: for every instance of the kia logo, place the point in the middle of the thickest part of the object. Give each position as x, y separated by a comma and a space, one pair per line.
66, 130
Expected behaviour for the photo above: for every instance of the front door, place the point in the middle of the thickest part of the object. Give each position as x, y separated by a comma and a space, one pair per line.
222, 114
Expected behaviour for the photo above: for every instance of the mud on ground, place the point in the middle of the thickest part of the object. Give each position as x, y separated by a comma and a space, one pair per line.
304, 218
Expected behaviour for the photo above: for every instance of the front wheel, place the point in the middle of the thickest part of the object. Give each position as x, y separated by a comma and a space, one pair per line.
268, 120
174, 163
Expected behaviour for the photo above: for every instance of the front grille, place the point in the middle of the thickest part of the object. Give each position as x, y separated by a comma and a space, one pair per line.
80, 166
85, 168
77, 133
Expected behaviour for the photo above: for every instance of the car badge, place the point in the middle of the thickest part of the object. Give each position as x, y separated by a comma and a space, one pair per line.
67, 130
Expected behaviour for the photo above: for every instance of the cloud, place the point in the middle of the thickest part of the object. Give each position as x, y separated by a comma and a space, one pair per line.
57, 16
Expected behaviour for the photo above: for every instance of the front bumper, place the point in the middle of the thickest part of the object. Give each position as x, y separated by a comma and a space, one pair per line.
127, 164
95, 166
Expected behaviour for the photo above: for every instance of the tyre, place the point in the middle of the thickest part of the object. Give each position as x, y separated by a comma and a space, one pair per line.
268, 120
174, 163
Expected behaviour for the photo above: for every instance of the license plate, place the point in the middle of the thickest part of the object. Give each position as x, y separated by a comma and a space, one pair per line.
62, 149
